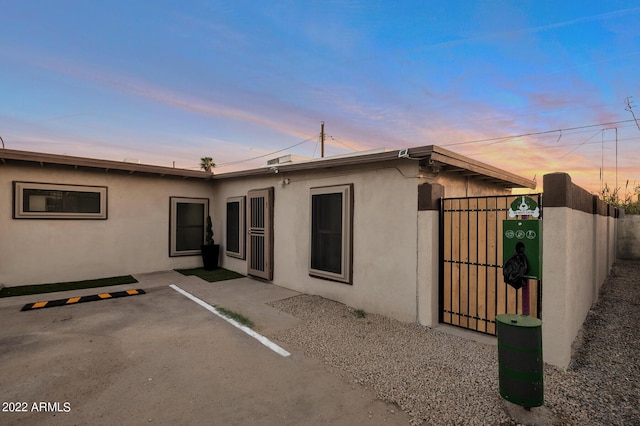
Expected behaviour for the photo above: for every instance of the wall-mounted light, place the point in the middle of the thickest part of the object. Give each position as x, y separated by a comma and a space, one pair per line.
284, 181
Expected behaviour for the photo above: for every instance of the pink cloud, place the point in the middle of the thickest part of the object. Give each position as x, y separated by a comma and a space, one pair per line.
130, 86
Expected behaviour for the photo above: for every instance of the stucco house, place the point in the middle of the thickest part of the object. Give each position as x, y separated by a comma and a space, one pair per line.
358, 229
411, 234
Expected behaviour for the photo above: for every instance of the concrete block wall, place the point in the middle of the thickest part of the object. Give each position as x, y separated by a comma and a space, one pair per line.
628, 237
579, 238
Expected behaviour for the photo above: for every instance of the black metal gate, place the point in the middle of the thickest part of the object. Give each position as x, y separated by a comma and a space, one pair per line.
472, 290
260, 233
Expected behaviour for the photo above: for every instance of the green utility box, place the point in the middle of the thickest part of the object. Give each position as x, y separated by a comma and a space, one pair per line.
528, 232
520, 359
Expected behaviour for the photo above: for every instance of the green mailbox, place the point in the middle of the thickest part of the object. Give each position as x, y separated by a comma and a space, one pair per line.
528, 232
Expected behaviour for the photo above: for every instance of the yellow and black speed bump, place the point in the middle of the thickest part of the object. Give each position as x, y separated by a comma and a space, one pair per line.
74, 300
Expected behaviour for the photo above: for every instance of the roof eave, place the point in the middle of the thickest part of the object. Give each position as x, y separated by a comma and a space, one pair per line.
91, 163
434, 155
503, 177
430, 153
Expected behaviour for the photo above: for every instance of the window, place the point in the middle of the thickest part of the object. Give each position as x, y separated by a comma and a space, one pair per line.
235, 227
187, 223
54, 201
331, 232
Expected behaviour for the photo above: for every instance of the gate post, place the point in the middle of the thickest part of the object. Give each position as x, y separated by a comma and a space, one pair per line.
428, 255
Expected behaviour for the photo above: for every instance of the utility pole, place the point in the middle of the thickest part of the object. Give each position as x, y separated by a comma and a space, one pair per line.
322, 139
616, 158
602, 161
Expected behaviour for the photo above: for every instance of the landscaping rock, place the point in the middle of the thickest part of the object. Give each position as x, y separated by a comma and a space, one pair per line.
439, 378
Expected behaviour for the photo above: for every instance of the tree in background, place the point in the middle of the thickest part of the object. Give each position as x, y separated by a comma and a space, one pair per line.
630, 203
207, 164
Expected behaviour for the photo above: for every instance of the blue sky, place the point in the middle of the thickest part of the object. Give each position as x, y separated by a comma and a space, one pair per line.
175, 81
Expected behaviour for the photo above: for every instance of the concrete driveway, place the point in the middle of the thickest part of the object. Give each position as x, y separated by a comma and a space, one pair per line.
160, 358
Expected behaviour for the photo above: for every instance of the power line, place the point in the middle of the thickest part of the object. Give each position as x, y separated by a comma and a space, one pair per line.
507, 138
495, 140
565, 145
343, 144
266, 155
582, 143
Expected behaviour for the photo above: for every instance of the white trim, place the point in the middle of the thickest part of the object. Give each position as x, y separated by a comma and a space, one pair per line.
259, 337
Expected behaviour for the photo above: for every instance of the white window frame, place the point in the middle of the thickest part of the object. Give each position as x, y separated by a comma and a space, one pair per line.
18, 201
240, 254
347, 233
174, 201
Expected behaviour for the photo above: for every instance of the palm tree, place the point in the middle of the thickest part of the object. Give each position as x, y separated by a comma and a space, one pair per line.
207, 164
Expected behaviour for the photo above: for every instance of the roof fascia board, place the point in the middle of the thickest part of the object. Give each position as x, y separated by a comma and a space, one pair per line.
431, 151
435, 153
106, 165
509, 179
415, 153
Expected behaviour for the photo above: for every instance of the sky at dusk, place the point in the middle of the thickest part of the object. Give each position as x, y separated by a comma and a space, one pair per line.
529, 86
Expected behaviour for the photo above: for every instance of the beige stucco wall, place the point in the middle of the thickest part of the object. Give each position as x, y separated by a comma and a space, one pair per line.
384, 234
604, 250
428, 267
395, 248
614, 225
577, 256
628, 237
134, 238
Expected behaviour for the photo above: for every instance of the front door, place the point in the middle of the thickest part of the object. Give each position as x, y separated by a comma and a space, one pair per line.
260, 233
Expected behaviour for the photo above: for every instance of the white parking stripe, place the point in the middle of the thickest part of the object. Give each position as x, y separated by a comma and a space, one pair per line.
259, 337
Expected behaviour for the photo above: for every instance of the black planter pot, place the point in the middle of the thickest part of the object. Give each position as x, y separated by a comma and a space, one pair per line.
210, 256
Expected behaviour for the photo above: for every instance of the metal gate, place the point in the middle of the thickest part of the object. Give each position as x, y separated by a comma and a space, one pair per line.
472, 290
260, 233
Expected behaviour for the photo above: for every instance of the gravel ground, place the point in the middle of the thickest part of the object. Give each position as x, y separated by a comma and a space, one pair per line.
438, 378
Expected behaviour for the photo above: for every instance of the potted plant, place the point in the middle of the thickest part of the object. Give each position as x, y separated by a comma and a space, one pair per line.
210, 251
